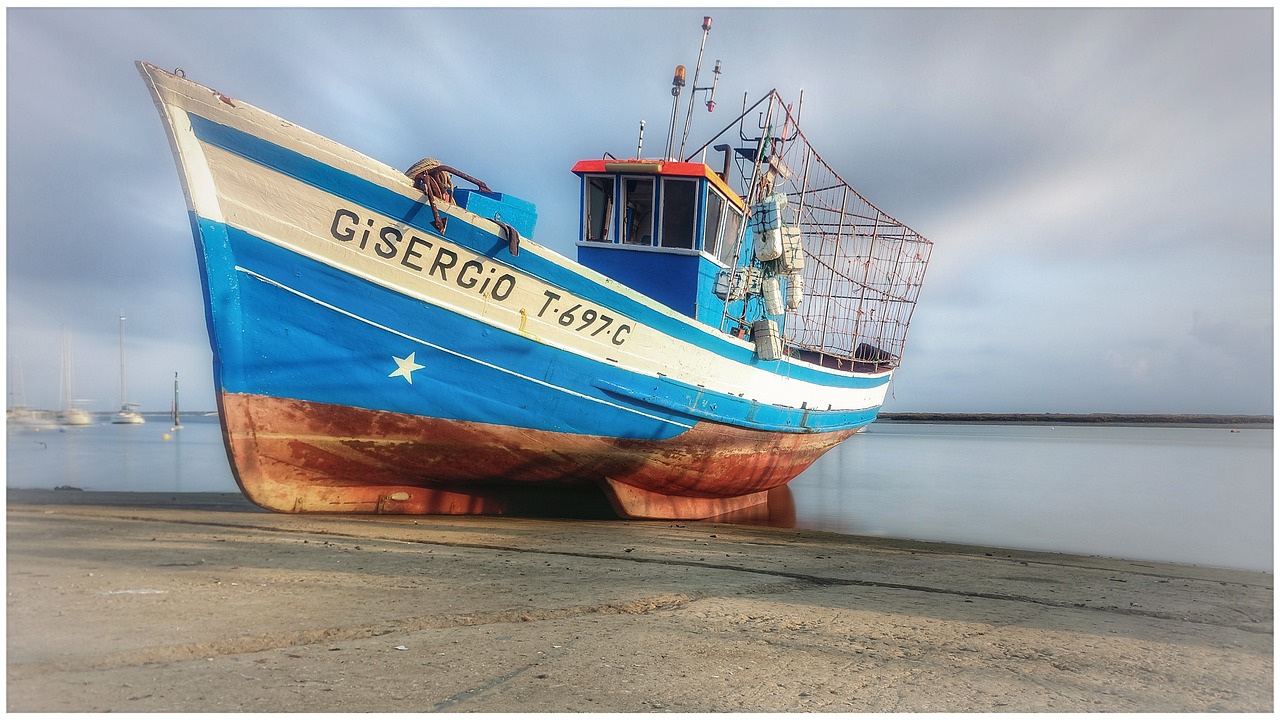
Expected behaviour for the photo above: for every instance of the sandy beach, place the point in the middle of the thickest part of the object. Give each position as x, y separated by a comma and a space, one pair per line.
152, 602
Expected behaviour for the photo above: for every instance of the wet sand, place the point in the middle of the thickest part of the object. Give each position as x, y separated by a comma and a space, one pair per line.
151, 602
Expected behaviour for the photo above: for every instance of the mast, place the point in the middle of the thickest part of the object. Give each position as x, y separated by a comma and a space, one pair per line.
677, 83
697, 70
122, 363
66, 384
15, 388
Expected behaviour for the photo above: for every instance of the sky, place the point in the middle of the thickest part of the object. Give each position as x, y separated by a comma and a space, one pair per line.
1098, 183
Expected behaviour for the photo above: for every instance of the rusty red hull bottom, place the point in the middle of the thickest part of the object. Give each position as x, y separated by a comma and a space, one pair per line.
305, 457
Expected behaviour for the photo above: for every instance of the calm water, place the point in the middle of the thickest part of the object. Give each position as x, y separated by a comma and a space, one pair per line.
1189, 495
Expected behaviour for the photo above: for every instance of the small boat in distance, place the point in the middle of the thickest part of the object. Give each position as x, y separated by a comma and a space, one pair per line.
386, 343
25, 417
128, 414
19, 415
70, 414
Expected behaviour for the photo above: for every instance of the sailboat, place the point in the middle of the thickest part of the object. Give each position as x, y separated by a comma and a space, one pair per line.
19, 415
128, 414
70, 414
173, 411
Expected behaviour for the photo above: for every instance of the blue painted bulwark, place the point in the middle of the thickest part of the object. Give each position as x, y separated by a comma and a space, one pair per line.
519, 214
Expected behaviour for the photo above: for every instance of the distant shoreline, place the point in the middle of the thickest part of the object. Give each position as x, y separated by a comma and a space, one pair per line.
1252, 421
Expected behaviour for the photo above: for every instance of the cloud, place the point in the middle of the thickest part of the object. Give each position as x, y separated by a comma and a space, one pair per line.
1098, 182
1135, 367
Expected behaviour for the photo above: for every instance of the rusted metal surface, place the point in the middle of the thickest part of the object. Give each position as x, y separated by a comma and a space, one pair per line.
296, 456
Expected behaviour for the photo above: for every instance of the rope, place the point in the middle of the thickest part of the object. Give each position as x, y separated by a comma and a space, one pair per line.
435, 180
432, 179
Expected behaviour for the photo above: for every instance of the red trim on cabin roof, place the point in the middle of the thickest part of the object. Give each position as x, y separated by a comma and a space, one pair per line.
683, 169
667, 168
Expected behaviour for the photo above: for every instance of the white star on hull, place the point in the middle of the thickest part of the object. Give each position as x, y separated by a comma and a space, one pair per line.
405, 367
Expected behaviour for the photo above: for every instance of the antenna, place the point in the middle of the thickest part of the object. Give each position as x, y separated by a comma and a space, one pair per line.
676, 83
640, 143
711, 103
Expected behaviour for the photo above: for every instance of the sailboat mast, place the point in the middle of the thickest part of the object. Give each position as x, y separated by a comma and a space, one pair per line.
15, 388
122, 362
65, 381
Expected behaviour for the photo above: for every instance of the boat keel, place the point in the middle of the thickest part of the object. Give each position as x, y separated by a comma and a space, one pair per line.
633, 502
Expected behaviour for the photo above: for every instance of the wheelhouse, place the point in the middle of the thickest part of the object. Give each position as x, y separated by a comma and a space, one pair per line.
666, 229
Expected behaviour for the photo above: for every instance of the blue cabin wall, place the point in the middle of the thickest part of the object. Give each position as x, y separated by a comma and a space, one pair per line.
672, 279
684, 283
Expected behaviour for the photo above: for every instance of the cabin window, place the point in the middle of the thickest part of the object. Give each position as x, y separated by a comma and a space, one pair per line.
599, 208
637, 203
715, 210
679, 212
732, 224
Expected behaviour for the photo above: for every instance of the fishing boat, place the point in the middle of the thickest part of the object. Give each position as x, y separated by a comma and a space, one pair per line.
128, 414
386, 342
